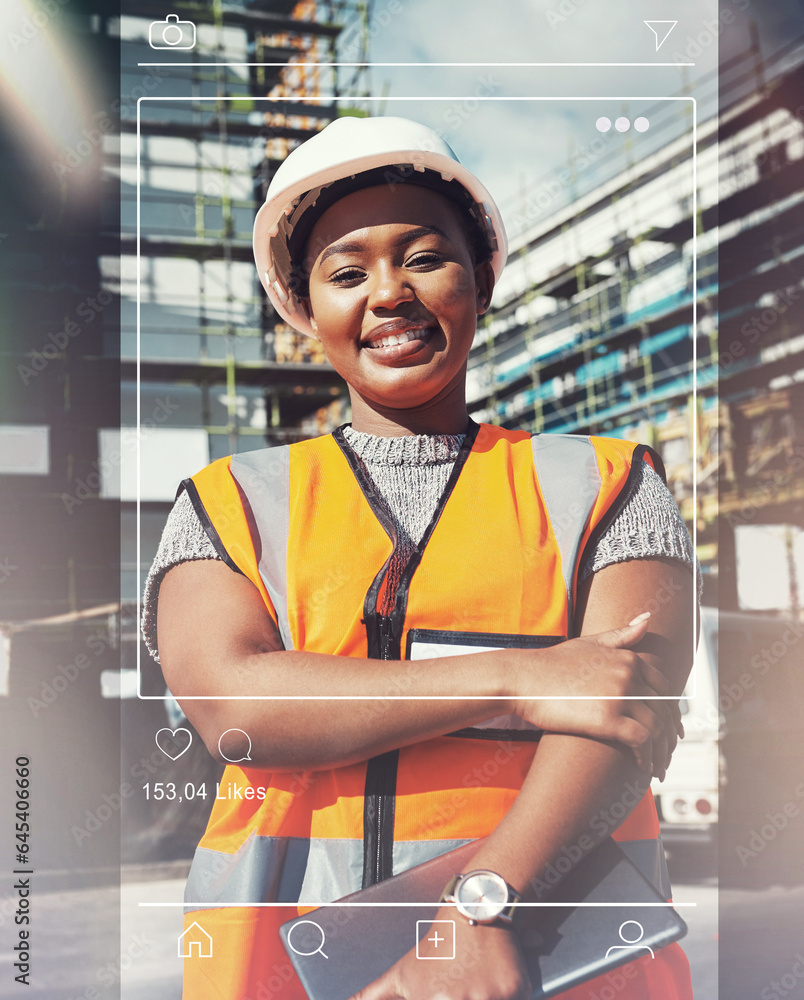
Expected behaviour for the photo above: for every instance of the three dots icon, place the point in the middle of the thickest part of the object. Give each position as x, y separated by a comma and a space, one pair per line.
622, 124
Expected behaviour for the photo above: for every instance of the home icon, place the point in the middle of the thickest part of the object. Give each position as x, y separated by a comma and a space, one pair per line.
195, 939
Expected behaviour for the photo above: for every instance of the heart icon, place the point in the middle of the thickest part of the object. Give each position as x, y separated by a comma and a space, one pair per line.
169, 745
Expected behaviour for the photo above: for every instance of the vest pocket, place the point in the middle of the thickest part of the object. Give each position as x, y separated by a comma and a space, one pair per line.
425, 643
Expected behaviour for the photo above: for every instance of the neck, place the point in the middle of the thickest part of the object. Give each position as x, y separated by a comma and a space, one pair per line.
446, 415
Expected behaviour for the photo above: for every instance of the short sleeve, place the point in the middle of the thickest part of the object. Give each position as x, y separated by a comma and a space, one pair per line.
648, 525
183, 539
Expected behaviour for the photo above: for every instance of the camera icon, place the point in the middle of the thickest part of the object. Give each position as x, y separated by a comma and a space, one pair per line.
171, 33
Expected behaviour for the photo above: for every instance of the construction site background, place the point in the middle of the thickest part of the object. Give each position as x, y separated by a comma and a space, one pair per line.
128, 301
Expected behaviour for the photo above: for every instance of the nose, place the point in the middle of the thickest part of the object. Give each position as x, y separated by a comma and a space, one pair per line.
389, 288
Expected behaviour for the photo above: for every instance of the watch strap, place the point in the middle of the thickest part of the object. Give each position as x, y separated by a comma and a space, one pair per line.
447, 896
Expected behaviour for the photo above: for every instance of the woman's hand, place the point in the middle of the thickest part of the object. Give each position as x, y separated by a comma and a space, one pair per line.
487, 966
597, 686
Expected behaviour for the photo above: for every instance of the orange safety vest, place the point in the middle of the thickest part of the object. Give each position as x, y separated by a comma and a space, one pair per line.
497, 566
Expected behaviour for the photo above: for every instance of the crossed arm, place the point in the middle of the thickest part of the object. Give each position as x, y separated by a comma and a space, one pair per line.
572, 781
215, 637
575, 779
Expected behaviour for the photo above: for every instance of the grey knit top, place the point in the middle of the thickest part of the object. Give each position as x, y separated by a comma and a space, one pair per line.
410, 474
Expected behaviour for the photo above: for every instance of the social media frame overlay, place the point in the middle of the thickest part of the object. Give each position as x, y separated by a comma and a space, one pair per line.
445, 97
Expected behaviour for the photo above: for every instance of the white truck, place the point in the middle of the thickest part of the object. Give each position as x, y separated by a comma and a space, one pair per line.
687, 799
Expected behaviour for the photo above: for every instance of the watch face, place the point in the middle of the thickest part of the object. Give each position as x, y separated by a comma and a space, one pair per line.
482, 896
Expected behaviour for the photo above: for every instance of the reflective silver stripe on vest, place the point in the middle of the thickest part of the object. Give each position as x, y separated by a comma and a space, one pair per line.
264, 478
320, 870
409, 853
648, 857
569, 478
293, 870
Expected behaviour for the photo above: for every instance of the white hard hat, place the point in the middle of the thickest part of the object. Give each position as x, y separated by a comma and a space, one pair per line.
370, 148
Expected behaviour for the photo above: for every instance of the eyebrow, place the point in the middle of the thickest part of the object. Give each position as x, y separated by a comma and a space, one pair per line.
405, 239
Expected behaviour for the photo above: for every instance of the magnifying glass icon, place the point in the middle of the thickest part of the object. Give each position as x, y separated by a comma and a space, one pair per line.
306, 938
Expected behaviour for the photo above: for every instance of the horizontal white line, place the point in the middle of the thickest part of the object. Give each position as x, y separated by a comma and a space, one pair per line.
216, 906
429, 97
405, 697
465, 65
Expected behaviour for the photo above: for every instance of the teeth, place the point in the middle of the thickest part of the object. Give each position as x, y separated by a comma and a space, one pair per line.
398, 338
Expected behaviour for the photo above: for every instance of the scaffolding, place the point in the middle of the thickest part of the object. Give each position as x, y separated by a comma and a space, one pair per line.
211, 134
199, 338
610, 341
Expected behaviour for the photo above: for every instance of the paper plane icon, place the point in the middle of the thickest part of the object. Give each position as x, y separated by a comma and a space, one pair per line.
660, 29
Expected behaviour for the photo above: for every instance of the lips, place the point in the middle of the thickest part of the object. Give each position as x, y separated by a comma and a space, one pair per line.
396, 332
393, 339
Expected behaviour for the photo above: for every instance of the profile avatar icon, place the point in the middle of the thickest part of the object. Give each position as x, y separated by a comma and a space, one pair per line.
631, 944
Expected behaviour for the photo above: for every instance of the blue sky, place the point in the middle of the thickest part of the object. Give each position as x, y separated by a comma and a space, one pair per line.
514, 146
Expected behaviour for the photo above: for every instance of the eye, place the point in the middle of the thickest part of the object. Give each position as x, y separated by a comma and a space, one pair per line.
347, 276
425, 258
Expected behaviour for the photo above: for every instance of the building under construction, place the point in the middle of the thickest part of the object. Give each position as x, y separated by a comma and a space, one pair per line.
204, 355
136, 356
635, 334
595, 329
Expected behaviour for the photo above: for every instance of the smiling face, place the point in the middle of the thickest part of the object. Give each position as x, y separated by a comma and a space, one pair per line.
394, 296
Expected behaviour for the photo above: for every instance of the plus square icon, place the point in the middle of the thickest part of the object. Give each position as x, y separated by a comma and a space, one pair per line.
439, 935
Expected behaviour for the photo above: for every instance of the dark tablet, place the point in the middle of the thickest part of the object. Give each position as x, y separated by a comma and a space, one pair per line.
338, 949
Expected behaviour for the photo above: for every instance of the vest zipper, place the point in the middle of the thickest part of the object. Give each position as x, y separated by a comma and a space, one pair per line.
380, 825
378, 818
386, 637
380, 789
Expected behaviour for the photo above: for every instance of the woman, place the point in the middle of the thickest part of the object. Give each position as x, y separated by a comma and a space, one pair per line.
295, 579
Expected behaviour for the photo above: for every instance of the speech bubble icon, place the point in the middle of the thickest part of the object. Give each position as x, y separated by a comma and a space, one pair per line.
166, 740
230, 756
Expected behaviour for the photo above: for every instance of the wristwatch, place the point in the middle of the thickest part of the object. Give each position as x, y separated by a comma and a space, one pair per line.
482, 897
